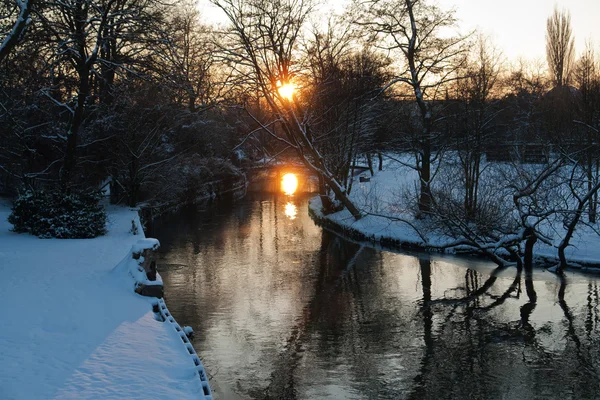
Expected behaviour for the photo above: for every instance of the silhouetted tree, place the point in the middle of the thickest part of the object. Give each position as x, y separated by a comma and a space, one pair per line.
344, 84
427, 62
560, 46
479, 109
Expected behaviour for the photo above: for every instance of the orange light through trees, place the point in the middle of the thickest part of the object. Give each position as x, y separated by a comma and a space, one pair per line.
289, 184
287, 91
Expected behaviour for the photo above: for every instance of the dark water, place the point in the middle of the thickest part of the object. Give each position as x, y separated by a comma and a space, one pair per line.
285, 310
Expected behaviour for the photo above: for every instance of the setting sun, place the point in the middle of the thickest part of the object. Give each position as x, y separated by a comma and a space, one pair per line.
289, 184
287, 91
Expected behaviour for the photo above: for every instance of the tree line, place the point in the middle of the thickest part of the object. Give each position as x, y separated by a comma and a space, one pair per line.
119, 89
145, 96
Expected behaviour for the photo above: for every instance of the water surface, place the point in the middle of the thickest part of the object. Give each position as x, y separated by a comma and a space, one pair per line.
285, 310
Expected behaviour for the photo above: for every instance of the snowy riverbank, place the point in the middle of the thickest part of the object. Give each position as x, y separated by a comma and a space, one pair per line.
73, 328
386, 194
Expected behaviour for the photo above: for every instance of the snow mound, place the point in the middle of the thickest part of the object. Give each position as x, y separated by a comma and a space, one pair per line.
132, 267
188, 331
145, 244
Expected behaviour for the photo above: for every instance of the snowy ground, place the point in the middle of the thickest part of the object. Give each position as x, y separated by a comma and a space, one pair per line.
388, 193
72, 328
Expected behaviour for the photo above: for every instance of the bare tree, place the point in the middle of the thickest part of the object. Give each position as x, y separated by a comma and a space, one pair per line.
587, 79
77, 29
582, 197
560, 46
527, 79
417, 31
526, 199
344, 83
480, 108
187, 56
90, 42
263, 37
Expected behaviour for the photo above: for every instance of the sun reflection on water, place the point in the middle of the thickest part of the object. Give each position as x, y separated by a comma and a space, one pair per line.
291, 210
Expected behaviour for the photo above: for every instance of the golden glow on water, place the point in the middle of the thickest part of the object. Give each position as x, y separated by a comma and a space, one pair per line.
289, 184
291, 210
287, 91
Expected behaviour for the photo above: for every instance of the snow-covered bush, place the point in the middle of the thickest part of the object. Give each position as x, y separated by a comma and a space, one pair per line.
58, 215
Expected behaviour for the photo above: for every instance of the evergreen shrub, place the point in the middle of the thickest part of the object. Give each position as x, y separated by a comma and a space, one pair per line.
58, 215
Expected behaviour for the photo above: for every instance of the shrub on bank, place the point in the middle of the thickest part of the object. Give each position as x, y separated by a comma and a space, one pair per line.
58, 215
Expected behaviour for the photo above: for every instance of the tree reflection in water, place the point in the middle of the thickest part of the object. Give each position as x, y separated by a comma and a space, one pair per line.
451, 370
284, 310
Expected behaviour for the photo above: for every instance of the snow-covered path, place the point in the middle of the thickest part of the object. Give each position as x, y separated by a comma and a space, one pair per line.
72, 328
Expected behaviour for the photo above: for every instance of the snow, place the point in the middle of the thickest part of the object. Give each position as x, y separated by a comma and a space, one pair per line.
388, 194
145, 244
188, 330
131, 270
72, 329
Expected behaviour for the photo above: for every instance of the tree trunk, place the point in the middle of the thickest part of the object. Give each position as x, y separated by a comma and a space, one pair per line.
133, 182
297, 134
340, 194
108, 52
425, 140
352, 168
83, 64
191, 100
425, 177
370, 164
528, 264
72, 134
590, 176
325, 200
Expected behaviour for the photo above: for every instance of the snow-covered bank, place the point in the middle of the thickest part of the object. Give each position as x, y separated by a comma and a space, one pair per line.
73, 328
387, 194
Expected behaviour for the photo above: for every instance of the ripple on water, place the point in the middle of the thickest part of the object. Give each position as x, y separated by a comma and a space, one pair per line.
162, 267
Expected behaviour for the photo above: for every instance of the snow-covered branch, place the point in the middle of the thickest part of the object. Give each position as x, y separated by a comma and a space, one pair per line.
10, 41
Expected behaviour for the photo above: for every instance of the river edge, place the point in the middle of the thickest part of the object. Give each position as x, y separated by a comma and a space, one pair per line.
341, 224
162, 313
75, 311
148, 212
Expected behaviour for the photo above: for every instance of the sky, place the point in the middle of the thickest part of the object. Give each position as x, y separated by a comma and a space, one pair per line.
517, 27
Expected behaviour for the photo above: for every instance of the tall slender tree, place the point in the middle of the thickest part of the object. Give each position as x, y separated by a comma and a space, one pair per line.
560, 46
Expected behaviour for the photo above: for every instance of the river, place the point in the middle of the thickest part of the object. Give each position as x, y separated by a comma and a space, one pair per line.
285, 310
